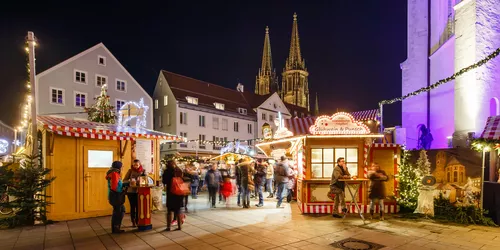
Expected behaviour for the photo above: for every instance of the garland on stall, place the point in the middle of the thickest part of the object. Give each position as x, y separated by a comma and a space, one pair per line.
481, 144
189, 159
443, 81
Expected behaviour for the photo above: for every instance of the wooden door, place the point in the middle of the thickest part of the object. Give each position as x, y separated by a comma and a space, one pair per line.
97, 161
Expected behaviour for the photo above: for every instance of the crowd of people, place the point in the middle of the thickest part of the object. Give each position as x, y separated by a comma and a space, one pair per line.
246, 179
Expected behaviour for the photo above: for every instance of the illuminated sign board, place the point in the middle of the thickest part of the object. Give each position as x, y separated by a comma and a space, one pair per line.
338, 124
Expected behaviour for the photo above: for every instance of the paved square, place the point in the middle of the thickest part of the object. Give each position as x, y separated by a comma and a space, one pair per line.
230, 227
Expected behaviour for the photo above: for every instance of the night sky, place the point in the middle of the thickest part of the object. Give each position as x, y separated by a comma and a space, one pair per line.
352, 49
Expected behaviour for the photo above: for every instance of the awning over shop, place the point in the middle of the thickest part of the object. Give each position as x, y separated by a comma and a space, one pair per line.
492, 129
95, 130
300, 126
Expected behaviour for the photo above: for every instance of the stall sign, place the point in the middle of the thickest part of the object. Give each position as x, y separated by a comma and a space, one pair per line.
267, 132
338, 124
144, 153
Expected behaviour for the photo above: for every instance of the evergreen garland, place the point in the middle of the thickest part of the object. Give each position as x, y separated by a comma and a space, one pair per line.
102, 111
408, 182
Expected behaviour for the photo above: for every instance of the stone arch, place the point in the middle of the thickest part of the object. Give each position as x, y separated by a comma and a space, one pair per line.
494, 107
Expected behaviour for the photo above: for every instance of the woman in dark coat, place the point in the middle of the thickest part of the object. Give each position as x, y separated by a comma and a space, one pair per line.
174, 202
377, 189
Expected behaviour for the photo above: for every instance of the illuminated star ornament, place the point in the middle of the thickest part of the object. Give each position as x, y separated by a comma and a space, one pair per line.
133, 110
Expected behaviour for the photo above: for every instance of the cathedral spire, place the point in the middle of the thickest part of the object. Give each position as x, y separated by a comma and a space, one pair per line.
316, 106
266, 81
295, 83
294, 60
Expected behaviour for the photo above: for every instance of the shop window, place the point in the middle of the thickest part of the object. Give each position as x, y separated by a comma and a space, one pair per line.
323, 161
100, 158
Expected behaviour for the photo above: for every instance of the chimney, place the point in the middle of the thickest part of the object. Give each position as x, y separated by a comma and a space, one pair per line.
239, 87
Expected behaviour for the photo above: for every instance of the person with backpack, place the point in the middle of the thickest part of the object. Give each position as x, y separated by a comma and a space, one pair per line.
338, 187
174, 201
281, 178
116, 196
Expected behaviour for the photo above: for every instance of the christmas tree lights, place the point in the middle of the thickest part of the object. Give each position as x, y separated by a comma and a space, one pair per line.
408, 182
102, 111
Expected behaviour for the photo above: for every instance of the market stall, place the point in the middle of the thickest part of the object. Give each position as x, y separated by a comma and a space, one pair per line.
314, 152
79, 154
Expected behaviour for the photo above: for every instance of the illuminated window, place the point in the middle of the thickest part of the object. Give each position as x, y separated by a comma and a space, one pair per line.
165, 100
192, 100
324, 160
219, 106
156, 103
80, 99
57, 96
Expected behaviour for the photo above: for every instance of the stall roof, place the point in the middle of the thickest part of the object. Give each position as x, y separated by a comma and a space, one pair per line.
95, 130
492, 128
300, 126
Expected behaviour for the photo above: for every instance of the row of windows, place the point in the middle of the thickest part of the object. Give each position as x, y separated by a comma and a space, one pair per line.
80, 99
324, 160
215, 123
217, 105
100, 80
202, 138
165, 102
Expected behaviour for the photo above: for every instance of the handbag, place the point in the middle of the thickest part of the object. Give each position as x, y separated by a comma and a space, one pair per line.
116, 198
178, 187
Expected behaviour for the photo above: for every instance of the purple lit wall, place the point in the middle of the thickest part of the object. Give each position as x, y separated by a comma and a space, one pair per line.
414, 71
442, 98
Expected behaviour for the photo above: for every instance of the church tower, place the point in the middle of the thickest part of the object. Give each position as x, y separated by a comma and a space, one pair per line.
266, 81
295, 86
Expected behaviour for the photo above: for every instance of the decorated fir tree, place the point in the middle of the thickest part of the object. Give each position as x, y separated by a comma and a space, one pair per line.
408, 182
423, 164
102, 111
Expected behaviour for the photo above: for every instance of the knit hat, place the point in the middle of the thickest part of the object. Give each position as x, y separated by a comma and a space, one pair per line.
117, 164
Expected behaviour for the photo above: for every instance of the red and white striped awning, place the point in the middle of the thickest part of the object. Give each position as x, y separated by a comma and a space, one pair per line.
300, 126
95, 130
492, 129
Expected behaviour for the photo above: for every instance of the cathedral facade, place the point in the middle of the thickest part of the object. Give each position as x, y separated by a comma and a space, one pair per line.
294, 85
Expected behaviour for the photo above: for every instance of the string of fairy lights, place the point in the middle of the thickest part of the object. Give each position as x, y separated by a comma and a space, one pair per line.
217, 143
445, 80
27, 102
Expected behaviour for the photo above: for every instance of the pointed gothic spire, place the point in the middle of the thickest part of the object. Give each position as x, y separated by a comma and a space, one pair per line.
294, 60
267, 62
316, 106
266, 81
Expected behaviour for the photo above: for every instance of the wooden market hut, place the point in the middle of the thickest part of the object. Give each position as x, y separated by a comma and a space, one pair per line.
80, 153
313, 145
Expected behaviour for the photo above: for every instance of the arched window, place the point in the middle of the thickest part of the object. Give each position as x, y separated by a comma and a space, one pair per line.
494, 109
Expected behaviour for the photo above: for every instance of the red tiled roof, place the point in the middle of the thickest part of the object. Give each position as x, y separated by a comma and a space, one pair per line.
207, 93
95, 130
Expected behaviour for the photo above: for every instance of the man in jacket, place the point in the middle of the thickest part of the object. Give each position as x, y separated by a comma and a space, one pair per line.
212, 181
116, 196
339, 172
281, 178
259, 180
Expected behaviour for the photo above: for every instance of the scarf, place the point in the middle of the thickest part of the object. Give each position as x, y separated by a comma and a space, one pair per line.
140, 169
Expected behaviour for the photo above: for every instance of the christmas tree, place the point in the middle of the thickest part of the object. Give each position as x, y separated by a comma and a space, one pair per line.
408, 182
423, 164
102, 111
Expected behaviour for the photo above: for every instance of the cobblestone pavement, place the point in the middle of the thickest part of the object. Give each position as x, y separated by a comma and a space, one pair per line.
230, 227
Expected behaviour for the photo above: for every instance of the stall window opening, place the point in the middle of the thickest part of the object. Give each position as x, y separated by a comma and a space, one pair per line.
323, 161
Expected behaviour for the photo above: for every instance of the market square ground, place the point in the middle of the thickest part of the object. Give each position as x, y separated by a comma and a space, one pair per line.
255, 228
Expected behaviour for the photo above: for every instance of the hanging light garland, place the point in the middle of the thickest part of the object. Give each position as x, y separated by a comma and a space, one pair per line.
26, 106
481, 144
445, 80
